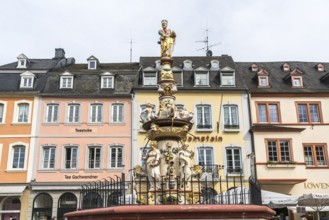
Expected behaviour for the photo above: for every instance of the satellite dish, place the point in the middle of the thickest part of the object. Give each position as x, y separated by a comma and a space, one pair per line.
209, 53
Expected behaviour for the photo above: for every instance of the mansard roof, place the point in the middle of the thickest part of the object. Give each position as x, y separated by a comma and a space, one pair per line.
314, 80
87, 83
198, 63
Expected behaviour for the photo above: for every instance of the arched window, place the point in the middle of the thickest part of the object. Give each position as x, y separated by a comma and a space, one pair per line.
66, 203
42, 207
11, 208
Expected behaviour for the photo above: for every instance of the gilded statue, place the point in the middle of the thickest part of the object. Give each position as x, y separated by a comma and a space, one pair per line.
167, 40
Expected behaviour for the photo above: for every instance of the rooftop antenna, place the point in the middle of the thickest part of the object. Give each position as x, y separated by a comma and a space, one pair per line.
131, 49
207, 47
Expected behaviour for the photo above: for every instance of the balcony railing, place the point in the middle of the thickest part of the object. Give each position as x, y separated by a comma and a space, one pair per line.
231, 127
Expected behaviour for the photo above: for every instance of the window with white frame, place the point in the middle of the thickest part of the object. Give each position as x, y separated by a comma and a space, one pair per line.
94, 159
70, 156
214, 64
116, 156
92, 64
231, 117
227, 79
107, 82
149, 78
2, 113
117, 113
21, 63
73, 113
18, 159
205, 156
48, 157
27, 79
52, 113
204, 120
233, 160
23, 113
201, 78
297, 81
187, 65
96, 113
66, 81
263, 81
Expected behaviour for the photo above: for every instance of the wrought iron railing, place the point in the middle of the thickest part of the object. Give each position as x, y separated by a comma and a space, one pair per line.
204, 190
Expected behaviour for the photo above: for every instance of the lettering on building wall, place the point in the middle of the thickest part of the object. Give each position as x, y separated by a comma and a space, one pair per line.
69, 177
204, 138
83, 130
310, 185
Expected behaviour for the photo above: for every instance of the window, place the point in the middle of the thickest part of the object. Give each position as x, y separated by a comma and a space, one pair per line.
48, 157
320, 67
268, 112
315, 155
73, 113
92, 64
23, 113
233, 160
187, 64
286, 67
201, 78
254, 67
71, 153
205, 156
27, 80
107, 82
96, 113
231, 117
214, 65
178, 77
227, 79
52, 113
2, 113
117, 113
18, 157
279, 150
94, 160
203, 117
150, 79
297, 81
66, 81
309, 112
263, 81
116, 157
22, 61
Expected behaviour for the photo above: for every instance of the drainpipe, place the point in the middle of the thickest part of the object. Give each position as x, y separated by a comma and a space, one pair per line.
132, 126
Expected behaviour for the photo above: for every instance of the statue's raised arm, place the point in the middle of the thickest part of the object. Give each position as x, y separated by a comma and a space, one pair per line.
167, 40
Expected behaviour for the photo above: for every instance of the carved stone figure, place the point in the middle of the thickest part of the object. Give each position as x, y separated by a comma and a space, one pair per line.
148, 113
153, 166
185, 165
167, 40
186, 115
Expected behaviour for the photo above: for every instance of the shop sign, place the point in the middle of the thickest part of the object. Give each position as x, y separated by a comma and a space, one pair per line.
83, 130
311, 185
75, 177
205, 138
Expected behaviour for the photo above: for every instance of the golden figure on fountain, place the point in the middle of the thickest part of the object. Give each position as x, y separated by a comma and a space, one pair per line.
167, 40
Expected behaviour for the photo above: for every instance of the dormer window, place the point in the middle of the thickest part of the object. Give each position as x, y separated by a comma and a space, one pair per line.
187, 65
297, 81
201, 77
254, 67
286, 67
158, 64
262, 76
107, 81
150, 76
320, 67
214, 65
178, 76
66, 81
22, 61
227, 77
27, 79
92, 63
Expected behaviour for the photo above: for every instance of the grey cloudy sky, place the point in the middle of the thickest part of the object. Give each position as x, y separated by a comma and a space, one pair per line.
249, 30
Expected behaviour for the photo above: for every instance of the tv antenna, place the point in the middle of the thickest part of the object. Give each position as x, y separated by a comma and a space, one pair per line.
131, 42
207, 47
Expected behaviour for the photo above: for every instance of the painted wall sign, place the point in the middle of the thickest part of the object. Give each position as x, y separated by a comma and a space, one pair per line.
83, 130
311, 185
68, 177
204, 138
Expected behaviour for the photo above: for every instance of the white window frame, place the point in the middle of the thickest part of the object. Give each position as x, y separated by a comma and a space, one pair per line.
254, 67
295, 79
214, 65
203, 118
99, 105
232, 129
232, 78
67, 120
94, 147
116, 105
27, 80
286, 67
11, 156
90, 66
263, 79
198, 74
116, 146
104, 77
16, 111
49, 159
232, 148
204, 155
75, 146
66, 76
4, 104
155, 78
51, 121
187, 65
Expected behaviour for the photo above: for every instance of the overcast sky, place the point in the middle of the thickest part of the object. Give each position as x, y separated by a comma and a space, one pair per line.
248, 30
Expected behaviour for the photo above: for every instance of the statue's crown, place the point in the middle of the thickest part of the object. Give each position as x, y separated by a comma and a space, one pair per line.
164, 21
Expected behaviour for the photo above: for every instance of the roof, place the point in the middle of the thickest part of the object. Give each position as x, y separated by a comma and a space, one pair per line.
311, 77
33, 64
226, 63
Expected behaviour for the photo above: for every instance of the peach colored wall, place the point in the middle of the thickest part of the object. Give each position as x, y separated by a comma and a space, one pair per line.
104, 134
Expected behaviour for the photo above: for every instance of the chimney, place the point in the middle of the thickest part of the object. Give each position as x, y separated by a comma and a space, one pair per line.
59, 53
